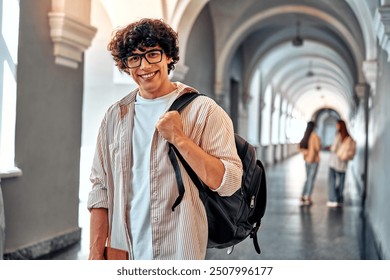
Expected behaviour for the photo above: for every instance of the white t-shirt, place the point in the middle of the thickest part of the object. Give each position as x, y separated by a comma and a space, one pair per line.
147, 113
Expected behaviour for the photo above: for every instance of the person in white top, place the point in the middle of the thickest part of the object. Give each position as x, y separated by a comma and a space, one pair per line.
133, 181
342, 150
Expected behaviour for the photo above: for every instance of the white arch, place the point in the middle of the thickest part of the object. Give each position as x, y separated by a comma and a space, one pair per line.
321, 57
335, 102
365, 20
121, 13
242, 30
184, 17
281, 57
330, 69
327, 83
323, 76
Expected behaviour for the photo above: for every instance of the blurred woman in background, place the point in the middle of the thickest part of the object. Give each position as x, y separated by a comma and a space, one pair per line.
342, 150
310, 146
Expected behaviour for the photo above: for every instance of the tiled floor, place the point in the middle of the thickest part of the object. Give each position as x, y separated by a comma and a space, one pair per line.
289, 231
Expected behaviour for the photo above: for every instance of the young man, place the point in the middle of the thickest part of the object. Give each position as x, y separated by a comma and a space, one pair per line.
134, 184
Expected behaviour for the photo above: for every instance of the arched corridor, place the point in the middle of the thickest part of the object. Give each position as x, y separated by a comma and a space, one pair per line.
293, 232
290, 231
272, 65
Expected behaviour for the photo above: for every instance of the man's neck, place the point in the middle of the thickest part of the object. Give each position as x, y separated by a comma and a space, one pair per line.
167, 89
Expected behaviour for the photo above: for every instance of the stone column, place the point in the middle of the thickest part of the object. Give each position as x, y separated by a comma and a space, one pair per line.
363, 93
271, 147
180, 72
2, 225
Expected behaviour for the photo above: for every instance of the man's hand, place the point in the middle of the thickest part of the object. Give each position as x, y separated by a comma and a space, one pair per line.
170, 127
209, 169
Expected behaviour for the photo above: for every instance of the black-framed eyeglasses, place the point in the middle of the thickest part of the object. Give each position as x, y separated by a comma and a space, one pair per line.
151, 56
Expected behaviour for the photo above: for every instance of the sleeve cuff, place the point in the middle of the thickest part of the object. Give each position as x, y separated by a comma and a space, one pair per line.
231, 180
97, 198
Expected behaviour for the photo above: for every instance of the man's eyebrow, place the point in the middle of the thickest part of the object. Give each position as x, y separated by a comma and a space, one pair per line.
133, 53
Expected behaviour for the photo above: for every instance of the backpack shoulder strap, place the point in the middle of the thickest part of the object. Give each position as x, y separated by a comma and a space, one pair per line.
179, 104
183, 100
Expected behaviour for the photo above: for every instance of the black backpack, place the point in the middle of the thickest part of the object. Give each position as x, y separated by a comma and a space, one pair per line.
230, 219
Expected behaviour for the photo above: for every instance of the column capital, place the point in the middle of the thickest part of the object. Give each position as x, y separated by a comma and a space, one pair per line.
71, 33
360, 90
218, 88
370, 70
382, 27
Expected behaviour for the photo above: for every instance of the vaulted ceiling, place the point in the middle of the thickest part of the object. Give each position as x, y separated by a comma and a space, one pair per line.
311, 52
322, 72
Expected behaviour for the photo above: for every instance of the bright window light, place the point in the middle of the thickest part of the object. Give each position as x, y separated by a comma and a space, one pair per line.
8, 58
8, 114
10, 27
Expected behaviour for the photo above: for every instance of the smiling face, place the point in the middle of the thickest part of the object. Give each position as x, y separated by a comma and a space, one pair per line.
152, 79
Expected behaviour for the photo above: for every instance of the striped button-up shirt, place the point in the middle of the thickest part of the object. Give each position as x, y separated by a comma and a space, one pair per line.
179, 234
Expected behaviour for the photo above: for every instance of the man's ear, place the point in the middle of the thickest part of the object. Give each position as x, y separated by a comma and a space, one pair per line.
169, 60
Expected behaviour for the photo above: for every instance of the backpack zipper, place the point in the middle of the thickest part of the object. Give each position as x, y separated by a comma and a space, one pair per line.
252, 205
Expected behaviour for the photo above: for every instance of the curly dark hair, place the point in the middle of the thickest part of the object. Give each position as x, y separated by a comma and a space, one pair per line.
142, 34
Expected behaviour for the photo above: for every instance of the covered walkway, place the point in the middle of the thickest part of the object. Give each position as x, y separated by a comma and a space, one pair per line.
289, 231
271, 65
